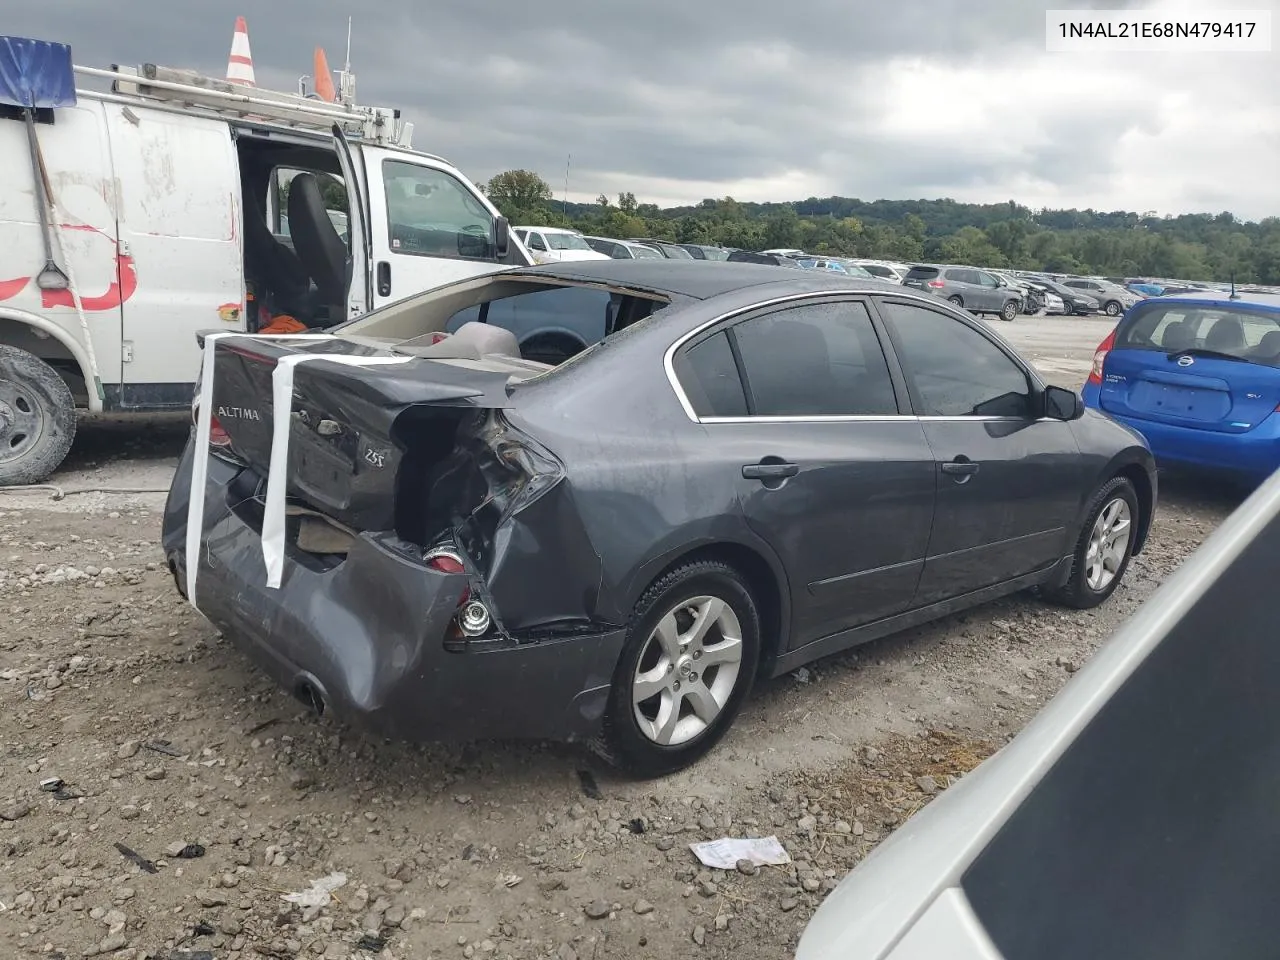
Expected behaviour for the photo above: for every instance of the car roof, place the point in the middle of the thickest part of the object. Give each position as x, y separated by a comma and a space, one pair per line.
1269, 301
696, 279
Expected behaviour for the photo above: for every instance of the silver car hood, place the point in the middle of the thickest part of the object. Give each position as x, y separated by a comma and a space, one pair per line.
904, 901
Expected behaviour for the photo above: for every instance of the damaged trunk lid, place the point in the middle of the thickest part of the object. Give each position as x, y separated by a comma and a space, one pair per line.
348, 456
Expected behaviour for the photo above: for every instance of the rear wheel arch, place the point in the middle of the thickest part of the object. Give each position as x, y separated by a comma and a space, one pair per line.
1145, 488
764, 578
51, 344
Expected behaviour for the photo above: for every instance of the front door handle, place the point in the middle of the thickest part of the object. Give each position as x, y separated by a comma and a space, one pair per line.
384, 278
962, 468
769, 471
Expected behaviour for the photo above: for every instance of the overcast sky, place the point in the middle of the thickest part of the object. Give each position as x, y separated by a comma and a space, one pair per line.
678, 100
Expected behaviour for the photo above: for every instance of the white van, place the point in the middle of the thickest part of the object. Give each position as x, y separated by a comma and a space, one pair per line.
182, 203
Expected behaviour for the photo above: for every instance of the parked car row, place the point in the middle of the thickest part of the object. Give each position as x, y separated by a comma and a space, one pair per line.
979, 290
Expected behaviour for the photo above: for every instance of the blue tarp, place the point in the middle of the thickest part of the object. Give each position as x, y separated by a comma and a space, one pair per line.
36, 73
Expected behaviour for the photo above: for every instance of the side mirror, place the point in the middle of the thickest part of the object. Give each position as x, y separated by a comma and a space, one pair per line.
1062, 404
501, 237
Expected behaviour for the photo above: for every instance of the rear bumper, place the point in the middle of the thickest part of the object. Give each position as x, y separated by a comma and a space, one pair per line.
367, 635
1255, 454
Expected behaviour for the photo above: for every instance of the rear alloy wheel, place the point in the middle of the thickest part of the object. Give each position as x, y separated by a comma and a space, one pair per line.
956, 300
1113, 308
1104, 548
1010, 310
688, 663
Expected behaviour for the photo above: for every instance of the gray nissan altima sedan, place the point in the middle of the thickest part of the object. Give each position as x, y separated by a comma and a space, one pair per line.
731, 471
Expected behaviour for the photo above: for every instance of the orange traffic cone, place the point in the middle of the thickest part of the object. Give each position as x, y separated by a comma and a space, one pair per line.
240, 63
323, 78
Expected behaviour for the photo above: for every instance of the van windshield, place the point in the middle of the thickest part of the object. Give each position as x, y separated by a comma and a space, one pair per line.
1241, 333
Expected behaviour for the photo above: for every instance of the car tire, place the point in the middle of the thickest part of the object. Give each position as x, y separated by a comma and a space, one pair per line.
1115, 501
37, 418
957, 300
664, 623
1114, 308
1009, 311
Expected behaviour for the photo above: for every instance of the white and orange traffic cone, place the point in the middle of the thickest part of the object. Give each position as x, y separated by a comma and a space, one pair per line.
240, 63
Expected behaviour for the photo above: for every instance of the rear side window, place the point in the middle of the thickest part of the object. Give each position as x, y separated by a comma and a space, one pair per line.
709, 375
957, 372
820, 359
1252, 335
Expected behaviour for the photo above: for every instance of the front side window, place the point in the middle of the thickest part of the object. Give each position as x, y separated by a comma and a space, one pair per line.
431, 214
818, 359
956, 371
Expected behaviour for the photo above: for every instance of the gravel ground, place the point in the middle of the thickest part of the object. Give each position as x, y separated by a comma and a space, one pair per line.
159, 796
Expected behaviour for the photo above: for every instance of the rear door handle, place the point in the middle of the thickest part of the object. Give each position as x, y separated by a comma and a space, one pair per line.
384, 278
961, 467
769, 471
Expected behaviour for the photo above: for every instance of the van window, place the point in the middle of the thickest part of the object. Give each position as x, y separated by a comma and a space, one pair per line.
332, 189
431, 214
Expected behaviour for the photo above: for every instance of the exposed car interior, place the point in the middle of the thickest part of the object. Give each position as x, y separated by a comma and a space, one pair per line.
511, 323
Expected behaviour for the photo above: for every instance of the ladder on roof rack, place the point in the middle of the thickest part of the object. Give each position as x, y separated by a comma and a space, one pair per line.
188, 89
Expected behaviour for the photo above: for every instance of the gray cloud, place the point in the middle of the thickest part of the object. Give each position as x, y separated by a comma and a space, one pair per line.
711, 91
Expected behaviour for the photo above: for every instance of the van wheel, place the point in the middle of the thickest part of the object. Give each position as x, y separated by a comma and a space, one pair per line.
1104, 547
687, 666
37, 418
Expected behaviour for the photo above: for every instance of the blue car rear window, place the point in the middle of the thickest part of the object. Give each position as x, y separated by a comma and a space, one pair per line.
1241, 332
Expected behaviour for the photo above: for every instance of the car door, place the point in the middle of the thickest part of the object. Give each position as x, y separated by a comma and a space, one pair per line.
429, 226
1008, 480
800, 403
993, 294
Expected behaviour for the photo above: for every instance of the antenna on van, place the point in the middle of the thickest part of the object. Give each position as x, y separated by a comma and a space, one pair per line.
1234, 295
347, 79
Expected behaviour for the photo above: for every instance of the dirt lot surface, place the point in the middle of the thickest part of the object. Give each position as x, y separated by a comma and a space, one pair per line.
132, 736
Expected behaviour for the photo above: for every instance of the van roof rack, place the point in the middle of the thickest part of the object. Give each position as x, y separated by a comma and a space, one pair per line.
191, 90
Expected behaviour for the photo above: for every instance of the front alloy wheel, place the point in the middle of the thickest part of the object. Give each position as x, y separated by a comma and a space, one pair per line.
1108, 544
1104, 546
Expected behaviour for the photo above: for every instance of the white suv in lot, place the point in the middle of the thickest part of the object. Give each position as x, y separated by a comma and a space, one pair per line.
556, 245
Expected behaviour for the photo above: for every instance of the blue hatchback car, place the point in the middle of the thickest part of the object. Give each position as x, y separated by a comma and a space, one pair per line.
1198, 375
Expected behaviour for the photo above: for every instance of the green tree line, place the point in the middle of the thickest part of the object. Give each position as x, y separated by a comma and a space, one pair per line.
1188, 247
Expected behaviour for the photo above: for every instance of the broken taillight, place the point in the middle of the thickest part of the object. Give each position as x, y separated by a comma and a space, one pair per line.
445, 561
218, 437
